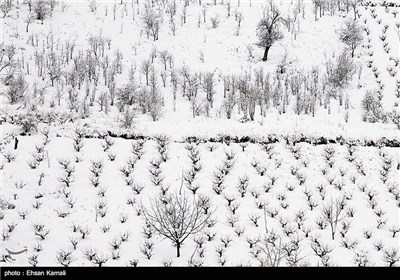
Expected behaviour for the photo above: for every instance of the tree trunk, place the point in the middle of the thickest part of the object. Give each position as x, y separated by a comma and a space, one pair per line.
16, 143
178, 249
266, 53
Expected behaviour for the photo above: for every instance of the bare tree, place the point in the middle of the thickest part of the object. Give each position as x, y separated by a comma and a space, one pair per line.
391, 255
272, 250
54, 72
145, 69
372, 107
28, 20
268, 31
172, 27
361, 259
351, 35
332, 214
215, 21
33, 260
6, 6
239, 18
155, 98
17, 89
7, 53
354, 4
151, 22
208, 84
41, 10
164, 56
100, 259
52, 4
64, 257
128, 118
339, 72
177, 219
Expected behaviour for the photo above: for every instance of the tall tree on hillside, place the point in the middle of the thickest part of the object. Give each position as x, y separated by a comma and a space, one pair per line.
351, 35
151, 22
354, 4
41, 10
268, 29
155, 99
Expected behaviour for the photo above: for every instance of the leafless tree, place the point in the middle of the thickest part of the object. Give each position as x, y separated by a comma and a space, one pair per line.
208, 85
339, 72
145, 68
28, 20
361, 259
54, 71
33, 260
268, 31
151, 22
147, 248
6, 7
155, 98
17, 89
239, 18
372, 107
126, 95
89, 253
332, 214
41, 10
351, 35
391, 255
128, 118
64, 257
104, 101
215, 21
164, 56
177, 219
354, 4
172, 27
41, 231
100, 259
7, 53
272, 250
93, 6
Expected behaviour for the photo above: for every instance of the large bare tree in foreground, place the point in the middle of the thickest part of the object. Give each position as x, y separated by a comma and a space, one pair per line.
176, 218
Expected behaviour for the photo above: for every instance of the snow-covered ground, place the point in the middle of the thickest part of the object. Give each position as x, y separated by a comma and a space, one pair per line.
286, 187
276, 190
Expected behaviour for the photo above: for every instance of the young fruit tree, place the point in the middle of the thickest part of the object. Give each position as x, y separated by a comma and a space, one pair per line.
351, 35
268, 31
177, 219
332, 214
